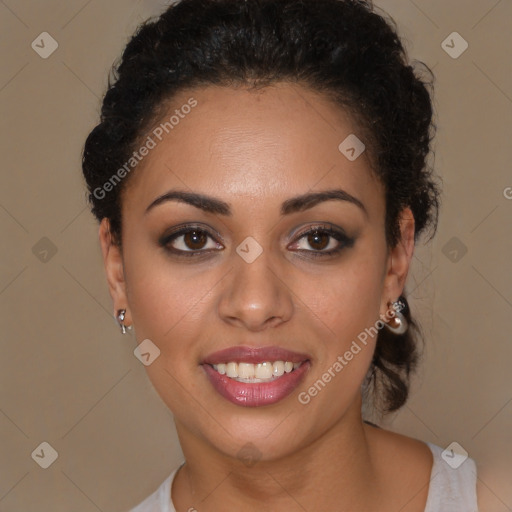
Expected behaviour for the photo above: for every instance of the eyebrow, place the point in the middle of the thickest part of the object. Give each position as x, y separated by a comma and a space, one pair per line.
295, 204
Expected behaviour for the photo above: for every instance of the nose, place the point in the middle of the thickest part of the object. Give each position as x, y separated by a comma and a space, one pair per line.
256, 296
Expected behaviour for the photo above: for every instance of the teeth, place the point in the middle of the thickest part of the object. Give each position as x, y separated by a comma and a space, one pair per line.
263, 370
246, 371
260, 372
278, 368
232, 370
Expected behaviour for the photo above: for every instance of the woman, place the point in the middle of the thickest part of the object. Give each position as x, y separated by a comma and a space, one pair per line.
259, 174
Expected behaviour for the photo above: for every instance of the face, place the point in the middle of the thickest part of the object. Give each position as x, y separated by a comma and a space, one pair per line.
261, 271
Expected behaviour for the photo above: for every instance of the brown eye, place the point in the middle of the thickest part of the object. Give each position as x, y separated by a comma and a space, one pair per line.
195, 240
318, 240
322, 241
189, 241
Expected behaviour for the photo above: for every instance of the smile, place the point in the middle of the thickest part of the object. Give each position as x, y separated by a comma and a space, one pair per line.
260, 372
254, 377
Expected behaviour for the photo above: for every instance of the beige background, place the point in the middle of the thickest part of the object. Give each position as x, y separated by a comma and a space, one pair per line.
70, 378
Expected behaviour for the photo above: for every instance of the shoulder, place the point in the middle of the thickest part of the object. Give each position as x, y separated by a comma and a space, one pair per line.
160, 499
405, 465
454, 480
404, 451
440, 484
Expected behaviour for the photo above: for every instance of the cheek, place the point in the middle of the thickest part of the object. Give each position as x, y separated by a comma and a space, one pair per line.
165, 301
346, 306
343, 301
167, 307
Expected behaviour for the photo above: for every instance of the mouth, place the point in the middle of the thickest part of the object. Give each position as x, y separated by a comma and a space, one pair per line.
260, 372
254, 377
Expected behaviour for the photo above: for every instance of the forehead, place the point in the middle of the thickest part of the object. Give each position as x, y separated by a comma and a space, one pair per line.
265, 145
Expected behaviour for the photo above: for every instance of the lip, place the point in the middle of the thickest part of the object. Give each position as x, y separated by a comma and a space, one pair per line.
245, 354
255, 394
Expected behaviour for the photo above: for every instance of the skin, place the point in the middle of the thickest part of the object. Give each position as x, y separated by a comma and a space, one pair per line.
255, 150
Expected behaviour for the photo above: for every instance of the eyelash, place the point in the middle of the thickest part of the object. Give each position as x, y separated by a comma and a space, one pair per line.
340, 236
343, 240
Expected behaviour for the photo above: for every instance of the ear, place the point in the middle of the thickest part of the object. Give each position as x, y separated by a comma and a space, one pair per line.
114, 269
399, 260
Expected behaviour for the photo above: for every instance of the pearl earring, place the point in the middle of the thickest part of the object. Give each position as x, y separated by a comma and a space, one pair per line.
398, 324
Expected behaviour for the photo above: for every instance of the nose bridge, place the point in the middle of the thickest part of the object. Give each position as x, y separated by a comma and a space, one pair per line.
256, 292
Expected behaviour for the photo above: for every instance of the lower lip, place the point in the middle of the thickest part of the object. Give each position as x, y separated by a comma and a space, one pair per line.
256, 394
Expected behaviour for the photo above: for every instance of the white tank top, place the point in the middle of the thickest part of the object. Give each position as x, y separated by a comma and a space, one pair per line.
450, 489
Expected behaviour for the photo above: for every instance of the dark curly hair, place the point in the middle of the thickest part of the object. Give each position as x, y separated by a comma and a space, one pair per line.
340, 48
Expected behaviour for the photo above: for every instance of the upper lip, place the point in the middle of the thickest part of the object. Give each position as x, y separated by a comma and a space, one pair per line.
246, 354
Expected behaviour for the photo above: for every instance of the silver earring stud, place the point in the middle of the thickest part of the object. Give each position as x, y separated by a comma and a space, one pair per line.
398, 324
120, 320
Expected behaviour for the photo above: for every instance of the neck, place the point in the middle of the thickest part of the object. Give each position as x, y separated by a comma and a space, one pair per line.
333, 472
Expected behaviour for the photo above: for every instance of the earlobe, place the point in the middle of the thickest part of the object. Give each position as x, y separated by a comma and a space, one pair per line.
114, 268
